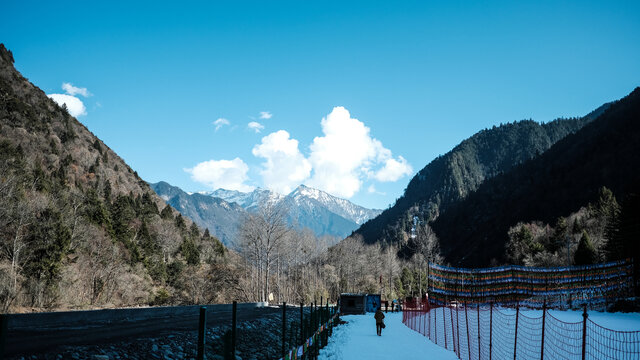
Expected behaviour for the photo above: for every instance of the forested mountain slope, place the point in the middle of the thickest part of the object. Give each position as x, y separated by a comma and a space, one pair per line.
78, 227
604, 153
222, 218
451, 177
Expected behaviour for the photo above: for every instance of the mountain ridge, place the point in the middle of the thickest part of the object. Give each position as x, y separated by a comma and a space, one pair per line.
78, 226
449, 178
307, 207
567, 176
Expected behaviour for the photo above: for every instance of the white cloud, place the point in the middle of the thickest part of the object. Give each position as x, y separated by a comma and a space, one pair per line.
225, 174
347, 153
74, 105
284, 167
72, 90
393, 170
265, 115
220, 122
255, 126
339, 161
372, 190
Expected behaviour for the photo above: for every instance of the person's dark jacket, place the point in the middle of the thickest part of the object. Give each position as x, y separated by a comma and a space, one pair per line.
379, 316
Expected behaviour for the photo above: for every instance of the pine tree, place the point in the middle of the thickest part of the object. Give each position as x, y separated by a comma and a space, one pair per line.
194, 232
625, 233
97, 146
408, 282
218, 246
190, 252
560, 234
167, 213
148, 245
146, 205
49, 240
122, 214
585, 254
106, 193
180, 224
96, 211
607, 207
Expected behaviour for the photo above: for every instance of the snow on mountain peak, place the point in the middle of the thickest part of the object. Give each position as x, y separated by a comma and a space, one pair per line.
342, 207
301, 196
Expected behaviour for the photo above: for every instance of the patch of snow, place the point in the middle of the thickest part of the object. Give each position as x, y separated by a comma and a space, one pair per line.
342, 207
358, 340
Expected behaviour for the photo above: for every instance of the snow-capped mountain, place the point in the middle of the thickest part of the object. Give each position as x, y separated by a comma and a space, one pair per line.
310, 208
301, 196
342, 207
251, 200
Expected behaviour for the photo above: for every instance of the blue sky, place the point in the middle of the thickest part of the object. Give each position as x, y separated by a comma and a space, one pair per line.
420, 76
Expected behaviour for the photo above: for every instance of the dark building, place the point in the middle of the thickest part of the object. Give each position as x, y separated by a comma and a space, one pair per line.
352, 304
359, 303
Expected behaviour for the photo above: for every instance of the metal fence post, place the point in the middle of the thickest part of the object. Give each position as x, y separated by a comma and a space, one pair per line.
301, 326
412, 318
309, 331
466, 319
544, 315
478, 331
320, 323
202, 331
584, 331
234, 319
317, 325
284, 326
4, 319
327, 320
453, 331
435, 324
515, 342
325, 317
490, 330
314, 318
444, 323
458, 329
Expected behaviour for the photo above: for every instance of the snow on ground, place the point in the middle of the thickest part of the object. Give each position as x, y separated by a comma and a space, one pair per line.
358, 340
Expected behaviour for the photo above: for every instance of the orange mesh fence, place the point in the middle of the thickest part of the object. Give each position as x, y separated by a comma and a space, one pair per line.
489, 332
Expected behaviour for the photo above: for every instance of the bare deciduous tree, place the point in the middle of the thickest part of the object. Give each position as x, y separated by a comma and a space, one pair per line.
261, 236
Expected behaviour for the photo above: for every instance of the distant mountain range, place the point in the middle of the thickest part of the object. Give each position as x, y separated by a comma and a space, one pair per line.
222, 211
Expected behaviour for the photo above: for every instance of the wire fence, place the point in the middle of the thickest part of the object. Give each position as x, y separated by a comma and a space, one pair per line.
489, 332
196, 332
301, 335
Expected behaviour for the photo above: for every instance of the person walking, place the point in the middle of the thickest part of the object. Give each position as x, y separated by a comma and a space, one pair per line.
379, 316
